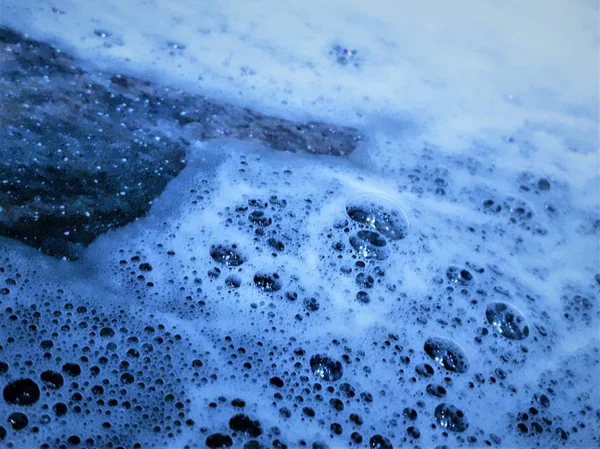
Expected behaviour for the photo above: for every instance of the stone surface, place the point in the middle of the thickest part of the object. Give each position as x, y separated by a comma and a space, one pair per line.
83, 153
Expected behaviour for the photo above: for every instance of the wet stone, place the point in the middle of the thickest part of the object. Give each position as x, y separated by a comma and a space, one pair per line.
451, 418
447, 353
21, 392
85, 196
507, 321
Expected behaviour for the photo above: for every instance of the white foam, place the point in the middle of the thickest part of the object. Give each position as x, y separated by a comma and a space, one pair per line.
490, 89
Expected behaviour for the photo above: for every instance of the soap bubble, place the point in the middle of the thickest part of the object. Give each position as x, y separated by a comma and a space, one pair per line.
507, 321
380, 213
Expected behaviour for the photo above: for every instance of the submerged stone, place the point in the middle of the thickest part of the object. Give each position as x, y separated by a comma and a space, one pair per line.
83, 152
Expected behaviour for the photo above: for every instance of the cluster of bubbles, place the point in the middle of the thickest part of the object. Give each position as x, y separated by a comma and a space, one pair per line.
345, 56
67, 361
269, 316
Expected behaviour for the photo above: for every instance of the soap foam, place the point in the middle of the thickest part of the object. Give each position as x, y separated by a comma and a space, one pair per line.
468, 119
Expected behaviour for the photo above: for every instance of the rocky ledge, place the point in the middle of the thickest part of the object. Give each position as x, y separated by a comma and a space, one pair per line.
83, 153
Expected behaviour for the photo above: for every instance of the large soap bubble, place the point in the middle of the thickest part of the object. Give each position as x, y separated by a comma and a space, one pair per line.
370, 245
380, 213
326, 368
452, 418
507, 321
447, 353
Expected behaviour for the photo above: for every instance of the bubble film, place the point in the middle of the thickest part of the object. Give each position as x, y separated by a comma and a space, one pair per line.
256, 225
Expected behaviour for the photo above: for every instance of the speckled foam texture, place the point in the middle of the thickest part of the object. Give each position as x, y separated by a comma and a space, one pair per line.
436, 288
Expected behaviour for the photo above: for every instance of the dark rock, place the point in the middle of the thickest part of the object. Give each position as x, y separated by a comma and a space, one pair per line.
83, 152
